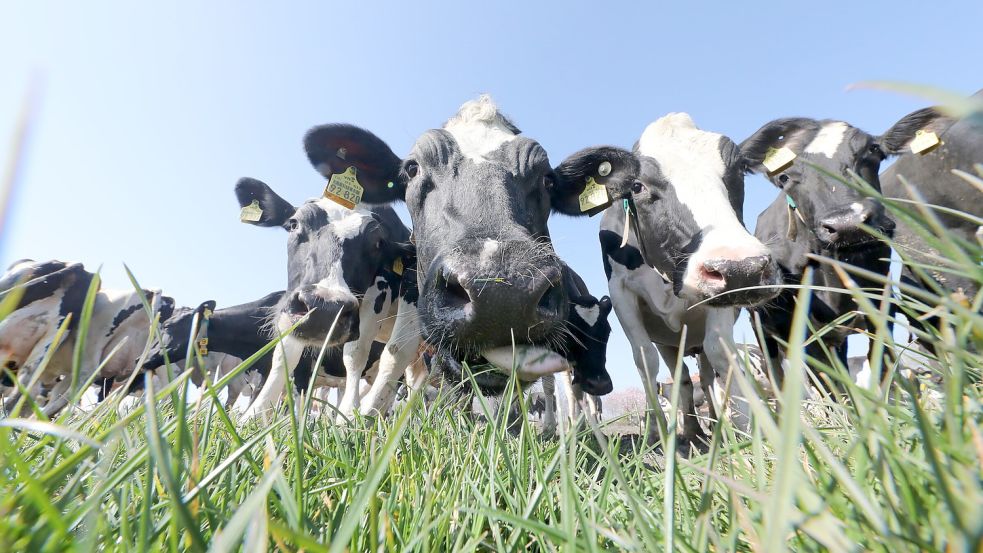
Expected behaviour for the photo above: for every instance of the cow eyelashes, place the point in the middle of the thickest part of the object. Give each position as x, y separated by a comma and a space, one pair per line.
783, 178
637, 187
293, 225
548, 182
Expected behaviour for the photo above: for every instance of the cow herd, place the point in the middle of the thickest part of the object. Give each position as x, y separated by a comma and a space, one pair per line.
476, 290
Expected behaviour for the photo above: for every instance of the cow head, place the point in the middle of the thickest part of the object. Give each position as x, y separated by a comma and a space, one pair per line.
478, 194
176, 334
333, 255
682, 191
835, 213
589, 322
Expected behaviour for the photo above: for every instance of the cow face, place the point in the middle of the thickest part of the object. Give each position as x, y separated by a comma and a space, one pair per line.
835, 213
333, 256
682, 192
589, 322
176, 334
478, 196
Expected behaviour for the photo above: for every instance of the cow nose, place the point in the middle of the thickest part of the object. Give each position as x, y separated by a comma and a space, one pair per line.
732, 274
488, 308
846, 227
325, 309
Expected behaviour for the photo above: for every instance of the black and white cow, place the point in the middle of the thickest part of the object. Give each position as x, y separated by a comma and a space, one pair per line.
49, 293
816, 214
235, 333
930, 173
343, 289
479, 195
674, 238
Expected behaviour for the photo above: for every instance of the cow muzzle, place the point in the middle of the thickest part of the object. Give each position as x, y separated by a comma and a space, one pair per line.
849, 227
326, 315
737, 281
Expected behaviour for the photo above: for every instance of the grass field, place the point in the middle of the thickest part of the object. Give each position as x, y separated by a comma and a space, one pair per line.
893, 468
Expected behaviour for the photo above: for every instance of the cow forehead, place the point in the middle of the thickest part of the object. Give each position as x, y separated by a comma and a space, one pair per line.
679, 146
341, 222
828, 140
479, 129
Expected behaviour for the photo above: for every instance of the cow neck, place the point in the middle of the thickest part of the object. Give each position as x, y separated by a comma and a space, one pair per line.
635, 225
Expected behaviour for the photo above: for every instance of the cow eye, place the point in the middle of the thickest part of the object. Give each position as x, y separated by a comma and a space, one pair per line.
548, 182
636, 187
411, 169
293, 225
875, 149
783, 178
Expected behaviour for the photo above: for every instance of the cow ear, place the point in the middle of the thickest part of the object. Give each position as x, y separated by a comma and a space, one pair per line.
896, 140
208, 306
610, 172
333, 149
605, 304
166, 308
265, 207
793, 133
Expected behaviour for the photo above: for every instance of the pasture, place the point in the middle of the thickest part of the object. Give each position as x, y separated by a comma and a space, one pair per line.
894, 467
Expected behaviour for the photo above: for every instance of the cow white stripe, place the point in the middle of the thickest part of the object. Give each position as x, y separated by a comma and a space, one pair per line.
479, 129
828, 140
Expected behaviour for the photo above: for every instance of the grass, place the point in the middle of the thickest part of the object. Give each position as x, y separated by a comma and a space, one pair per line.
892, 468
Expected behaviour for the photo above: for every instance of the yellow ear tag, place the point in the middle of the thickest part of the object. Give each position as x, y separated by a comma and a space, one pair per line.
398, 266
777, 159
344, 189
924, 142
251, 213
203, 346
594, 195
207, 314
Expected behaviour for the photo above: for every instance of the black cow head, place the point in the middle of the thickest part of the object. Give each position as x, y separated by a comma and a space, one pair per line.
682, 192
591, 329
834, 212
176, 334
333, 255
478, 194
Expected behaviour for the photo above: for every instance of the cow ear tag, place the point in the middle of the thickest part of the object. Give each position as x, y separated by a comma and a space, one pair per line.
624, 232
594, 195
251, 213
203, 346
924, 142
398, 266
344, 189
207, 314
604, 169
778, 159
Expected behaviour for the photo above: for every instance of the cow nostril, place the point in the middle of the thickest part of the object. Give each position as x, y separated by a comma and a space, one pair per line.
710, 272
298, 305
549, 302
455, 295
10, 364
829, 230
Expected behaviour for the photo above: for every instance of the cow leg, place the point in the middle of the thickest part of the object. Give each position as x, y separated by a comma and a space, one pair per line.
286, 356
718, 346
692, 431
574, 396
400, 350
549, 412
626, 307
356, 354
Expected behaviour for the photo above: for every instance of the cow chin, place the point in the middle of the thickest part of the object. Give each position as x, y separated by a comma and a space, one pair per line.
313, 329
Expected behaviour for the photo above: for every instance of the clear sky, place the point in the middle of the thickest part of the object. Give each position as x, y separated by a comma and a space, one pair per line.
149, 114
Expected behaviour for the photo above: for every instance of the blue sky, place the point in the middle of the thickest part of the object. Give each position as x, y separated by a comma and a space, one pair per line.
149, 114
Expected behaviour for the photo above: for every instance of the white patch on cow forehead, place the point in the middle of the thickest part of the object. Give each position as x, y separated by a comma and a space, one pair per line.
479, 128
588, 314
828, 140
345, 223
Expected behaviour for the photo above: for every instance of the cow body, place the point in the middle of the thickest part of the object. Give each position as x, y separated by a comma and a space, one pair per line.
343, 292
930, 175
672, 239
51, 292
818, 215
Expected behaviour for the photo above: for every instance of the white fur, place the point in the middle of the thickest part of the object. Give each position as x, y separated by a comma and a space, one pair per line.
690, 160
857, 207
588, 314
828, 140
488, 250
530, 362
478, 128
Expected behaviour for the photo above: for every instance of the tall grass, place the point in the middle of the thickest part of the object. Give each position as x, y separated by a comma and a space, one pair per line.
895, 467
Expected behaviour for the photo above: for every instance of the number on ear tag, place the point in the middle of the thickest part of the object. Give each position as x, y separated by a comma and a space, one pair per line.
251, 213
924, 142
203, 346
778, 159
594, 195
344, 189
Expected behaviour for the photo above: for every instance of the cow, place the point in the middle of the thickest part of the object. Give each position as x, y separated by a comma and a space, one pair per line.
347, 286
50, 292
816, 214
674, 246
952, 145
479, 195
